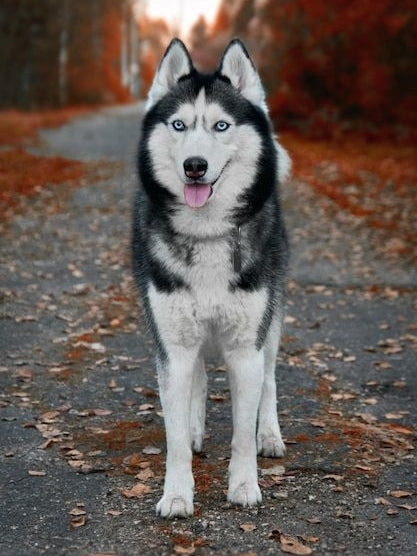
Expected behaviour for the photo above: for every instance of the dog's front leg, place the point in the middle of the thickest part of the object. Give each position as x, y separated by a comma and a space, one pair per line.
246, 368
175, 383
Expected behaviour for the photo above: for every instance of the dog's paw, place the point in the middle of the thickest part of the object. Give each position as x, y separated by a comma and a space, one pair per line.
270, 445
245, 494
174, 505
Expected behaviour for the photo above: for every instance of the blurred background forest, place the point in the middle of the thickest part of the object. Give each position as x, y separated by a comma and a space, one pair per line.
340, 78
324, 64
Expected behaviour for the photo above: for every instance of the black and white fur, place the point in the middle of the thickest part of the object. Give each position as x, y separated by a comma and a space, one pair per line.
195, 289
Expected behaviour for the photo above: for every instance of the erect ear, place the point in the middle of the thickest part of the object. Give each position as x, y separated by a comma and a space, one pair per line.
238, 67
175, 63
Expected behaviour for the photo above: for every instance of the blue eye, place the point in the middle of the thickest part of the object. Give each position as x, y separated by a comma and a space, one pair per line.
221, 126
178, 125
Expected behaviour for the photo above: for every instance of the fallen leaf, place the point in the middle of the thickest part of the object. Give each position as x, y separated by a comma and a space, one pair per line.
179, 549
145, 474
248, 527
137, 491
363, 467
291, 545
24, 374
367, 417
317, 423
313, 520
382, 501
77, 511
332, 477
34, 473
49, 417
101, 412
74, 454
310, 538
392, 511
146, 407
382, 365
151, 450
393, 416
275, 470
78, 521
288, 319
345, 515
329, 376
96, 346
370, 401
337, 488
401, 429
343, 396
400, 493
114, 513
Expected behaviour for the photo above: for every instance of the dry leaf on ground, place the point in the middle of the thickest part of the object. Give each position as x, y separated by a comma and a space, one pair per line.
137, 491
291, 545
179, 549
247, 527
401, 493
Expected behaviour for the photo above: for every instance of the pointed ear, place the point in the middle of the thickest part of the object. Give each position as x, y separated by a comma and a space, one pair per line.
175, 63
238, 67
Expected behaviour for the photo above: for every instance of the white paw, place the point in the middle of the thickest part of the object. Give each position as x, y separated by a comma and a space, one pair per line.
270, 445
174, 505
245, 494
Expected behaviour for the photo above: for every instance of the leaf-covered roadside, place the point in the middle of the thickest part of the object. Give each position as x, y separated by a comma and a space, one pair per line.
24, 174
374, 182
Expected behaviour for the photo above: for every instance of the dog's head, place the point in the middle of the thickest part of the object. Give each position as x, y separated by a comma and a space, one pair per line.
207, 135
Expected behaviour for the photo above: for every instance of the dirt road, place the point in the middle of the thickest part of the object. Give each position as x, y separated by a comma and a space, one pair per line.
82, 439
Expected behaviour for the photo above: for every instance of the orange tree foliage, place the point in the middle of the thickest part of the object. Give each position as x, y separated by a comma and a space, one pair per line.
154, 36
65, 52
329, 62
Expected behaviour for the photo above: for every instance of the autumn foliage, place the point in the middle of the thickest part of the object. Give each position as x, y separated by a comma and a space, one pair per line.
373, 181
328, 64
67, 52
22, 173
340, 80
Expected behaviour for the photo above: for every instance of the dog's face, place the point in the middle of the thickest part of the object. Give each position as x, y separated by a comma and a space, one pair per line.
206, 133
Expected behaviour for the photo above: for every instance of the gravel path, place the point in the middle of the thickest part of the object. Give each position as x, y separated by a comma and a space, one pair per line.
80, 416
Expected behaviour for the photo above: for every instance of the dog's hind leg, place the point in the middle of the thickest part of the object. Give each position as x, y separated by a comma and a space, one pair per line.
175, 377
198, 405
246, 367
269, 439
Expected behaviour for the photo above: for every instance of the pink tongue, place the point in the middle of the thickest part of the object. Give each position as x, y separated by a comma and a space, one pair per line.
196, 195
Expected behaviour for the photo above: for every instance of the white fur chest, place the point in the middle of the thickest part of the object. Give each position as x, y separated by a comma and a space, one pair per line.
188, 315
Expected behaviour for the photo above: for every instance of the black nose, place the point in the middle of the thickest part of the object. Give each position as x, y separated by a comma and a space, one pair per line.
195, 167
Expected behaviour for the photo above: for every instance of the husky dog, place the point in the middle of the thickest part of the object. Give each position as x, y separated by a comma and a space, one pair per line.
210, 257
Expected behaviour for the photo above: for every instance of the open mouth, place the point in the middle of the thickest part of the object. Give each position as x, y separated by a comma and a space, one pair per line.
197, 194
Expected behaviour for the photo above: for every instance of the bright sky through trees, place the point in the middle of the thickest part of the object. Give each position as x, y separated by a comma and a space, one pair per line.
182, 13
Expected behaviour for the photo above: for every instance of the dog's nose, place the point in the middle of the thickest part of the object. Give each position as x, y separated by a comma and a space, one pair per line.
195, 167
